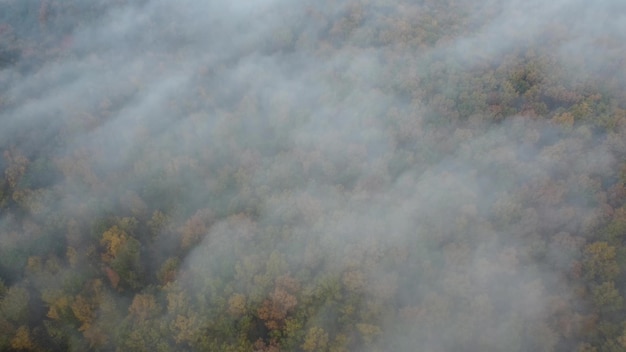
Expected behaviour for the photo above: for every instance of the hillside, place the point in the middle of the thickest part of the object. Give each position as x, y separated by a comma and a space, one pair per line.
328, 175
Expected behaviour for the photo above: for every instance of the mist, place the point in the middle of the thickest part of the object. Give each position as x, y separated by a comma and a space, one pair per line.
316, 176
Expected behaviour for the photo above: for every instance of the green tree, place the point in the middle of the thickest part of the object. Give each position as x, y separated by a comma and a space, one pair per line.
607, 298
599, 262
14, 305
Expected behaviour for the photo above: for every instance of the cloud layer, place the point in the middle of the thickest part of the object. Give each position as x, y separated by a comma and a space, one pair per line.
328, 143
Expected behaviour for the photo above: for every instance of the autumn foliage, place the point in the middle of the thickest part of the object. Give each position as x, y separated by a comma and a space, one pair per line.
357, 175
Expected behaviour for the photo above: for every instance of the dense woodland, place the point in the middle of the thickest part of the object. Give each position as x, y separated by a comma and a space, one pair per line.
328, 175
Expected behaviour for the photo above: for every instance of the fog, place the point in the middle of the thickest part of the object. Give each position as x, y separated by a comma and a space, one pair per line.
308, 143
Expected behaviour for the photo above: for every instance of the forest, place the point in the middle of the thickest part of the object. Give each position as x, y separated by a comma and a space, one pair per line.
315, 175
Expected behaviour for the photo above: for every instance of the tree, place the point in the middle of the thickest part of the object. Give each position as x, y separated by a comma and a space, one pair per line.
113, 276
237, 304
599, 262
59, 304
368, 332
274, 310
144, 307
606, 297
14, 305
185, 328
18, 164
167, 272
83, 311
22, 339
316, 339
127, 264
195, 228
113, 240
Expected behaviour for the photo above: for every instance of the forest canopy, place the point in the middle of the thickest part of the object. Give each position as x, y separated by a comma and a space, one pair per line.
328, 175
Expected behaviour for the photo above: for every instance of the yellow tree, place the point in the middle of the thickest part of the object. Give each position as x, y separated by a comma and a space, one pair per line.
83, 311
113, 240
21, 340
316, 339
